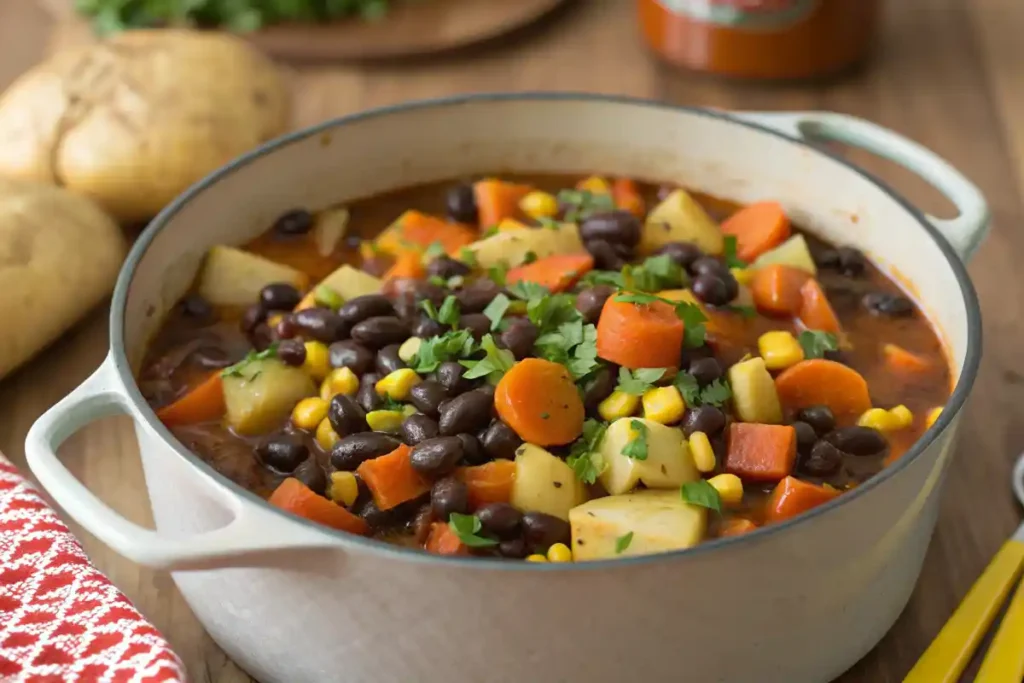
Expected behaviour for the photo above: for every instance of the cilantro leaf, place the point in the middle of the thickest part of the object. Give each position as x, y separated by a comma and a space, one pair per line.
688, 388
701, 493
252, 356
390, 403
489, 232
622, 542
637, 382
494, 365
448, 314
637, 446
496, 310
579, 204
437, 280
584, 457
527, 290
529, 257
815, 343
428, 307
468, 256
745, 311
729, 253
716, 394
693, 318
549, 223
604, 277
467, 528
584, 356
655, 274
436, 350
327, 297
497, 273
434, 250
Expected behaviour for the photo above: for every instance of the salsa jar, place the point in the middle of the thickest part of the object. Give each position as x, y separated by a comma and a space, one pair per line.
761, 39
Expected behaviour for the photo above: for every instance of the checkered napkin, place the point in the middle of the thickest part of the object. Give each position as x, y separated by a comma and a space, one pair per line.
61, 620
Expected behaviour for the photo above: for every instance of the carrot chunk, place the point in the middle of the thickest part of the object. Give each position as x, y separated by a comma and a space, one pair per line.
297, 498
415, 231
203, 403
443, 541
408, 264
639, 335
737, 527
777, 289
757, 228
391, 478
823, 382
627, 197
557, 273
815, 311
760, 452
791, 497
539, 401
497, 200
903, 362
488, 483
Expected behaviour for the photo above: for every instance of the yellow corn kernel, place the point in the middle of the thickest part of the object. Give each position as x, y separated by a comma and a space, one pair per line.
409, 410
901, 416
385, 420
618, 404
339, 381
344, 488
877, 418
409, 348
326, 437
511, 224
663, 404
274, 319
594, 184
780, 349
397, 384
308, 412
729, 487
932, 416
317, 360
744, 276
702, 452
536, 558
559, 552
539, 204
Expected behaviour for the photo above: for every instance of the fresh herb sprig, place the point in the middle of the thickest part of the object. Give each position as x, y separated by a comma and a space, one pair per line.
585, 457
815, 343
238, 369
467, 528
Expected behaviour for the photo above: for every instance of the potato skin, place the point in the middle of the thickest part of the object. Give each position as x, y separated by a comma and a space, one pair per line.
134, 120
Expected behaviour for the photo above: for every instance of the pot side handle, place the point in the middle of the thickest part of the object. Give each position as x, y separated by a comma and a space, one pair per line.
964, 233
252, 530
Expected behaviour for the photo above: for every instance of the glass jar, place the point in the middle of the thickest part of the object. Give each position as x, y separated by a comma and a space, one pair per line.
761, 39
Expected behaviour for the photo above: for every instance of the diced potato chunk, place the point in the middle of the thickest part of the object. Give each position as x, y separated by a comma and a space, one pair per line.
347, 281
753, 392
793, 252
679, 218
544, 483
328, 230
659, 521
233, 277
512, 245
668, 465
261, 395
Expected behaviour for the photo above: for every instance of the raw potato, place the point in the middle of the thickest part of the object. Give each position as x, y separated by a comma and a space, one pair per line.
351, 282
331, 225
232, 277
544, 483
668, 465
753, 392
679, 218
512, 245
263, 394
134, 120
659, 521
59, 257
793, 252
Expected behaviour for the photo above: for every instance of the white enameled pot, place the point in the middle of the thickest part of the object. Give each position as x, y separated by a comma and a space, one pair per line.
290, 601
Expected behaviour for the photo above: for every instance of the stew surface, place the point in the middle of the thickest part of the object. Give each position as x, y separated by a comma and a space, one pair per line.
545, 367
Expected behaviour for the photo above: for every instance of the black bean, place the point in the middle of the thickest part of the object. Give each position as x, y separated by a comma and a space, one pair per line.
253, 316
500, 441
541, 531
625, 251
358, 309
605, 256
707, 419
385, 520
449, 495
519, 337
837, 356
417, 428
421, 523
467, 412
591, 301
474, 297
472, 452
380, 331
461, 204
427, 397
261, 337
892, 305
294, 222
851, 261
285, 328
599, 387
711, 289
280, 296
367, 397
500, 519
197, 308
321, 324
282, 453
857, 440
708, 265
827, 259
732, 286
450, 376
477, 323
312, 475
705, 370
388, 360
292, 352
823, 460
425, 290
446, 267
351, 355
346, 416
436, 457
819, 417
616, 227
805, 436
426, 327
683, 253
513, 548
691, 354
354, 449
487, 390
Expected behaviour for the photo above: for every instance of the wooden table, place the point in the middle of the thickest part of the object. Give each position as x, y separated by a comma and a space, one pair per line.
950, 74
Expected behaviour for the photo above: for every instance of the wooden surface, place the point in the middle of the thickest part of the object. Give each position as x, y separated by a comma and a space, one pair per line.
950, 73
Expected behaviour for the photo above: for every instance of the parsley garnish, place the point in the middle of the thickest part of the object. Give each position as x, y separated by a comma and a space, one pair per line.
579, 204
529, 257
467, 528
549, 223
496, 310
745, 311
572, 344
701, 493
490, 232
437, 280
390, 403
693, 318
468, 256
655, 274
434, 250
716, 393
494, 365
251, 357
637, 382
688, 388
815, 343
604, 277
436, 350
497, 273
622, 542
327, 297
526, 290
448, 314
637, 446
584, 457
729, 255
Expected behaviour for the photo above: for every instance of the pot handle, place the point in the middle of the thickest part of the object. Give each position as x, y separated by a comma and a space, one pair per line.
964, 233
251, 531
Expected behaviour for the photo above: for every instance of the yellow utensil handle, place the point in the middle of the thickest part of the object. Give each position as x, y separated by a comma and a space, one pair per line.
946, 657
1004, 662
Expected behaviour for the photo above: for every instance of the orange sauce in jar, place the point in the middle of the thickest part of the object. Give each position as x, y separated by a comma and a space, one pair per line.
761, 39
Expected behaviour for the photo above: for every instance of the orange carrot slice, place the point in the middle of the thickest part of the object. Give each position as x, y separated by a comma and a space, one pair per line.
757, 228
415, 231
443, 541
777, 289
903, 362
627, 197
497, 200
639, 335
539, 401
392, 479
737, 527
760, 452
815, 311
408, 264
202, 404
488, 483
791, 497
823, 382
297, 498
557, 273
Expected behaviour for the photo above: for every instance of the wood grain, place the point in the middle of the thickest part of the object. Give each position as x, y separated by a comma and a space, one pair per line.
948, 73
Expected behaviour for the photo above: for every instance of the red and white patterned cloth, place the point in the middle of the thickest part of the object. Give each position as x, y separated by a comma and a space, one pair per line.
61, 620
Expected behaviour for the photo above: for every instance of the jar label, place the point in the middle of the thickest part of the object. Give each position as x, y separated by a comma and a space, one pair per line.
752, 14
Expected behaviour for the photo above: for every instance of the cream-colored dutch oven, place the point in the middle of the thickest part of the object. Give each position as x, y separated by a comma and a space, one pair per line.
293, 602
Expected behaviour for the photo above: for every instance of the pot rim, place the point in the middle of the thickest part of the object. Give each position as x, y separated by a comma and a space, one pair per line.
956, 401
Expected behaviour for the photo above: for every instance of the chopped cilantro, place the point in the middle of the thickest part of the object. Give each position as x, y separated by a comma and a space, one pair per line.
692, 316
545, 416
622, 542
745, 311
529, 257
468, 256
604, 277
549, 223
688, 388
584, 457
579, 204
437, 280
467, 528
572, 344
526, 290
448, 314
497, 273
490, 232
236, 369
655, 274
496, 310
815, 343
390, 403
716, 394
729, 253
495, 363
327, 297
637, 382
428, 307
701, 493
637, 446
436, 350
434, 250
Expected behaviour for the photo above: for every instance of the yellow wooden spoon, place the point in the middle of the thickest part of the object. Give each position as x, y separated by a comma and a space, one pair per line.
952, 649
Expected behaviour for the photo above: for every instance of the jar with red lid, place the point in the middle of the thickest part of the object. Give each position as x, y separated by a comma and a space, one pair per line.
761, 39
